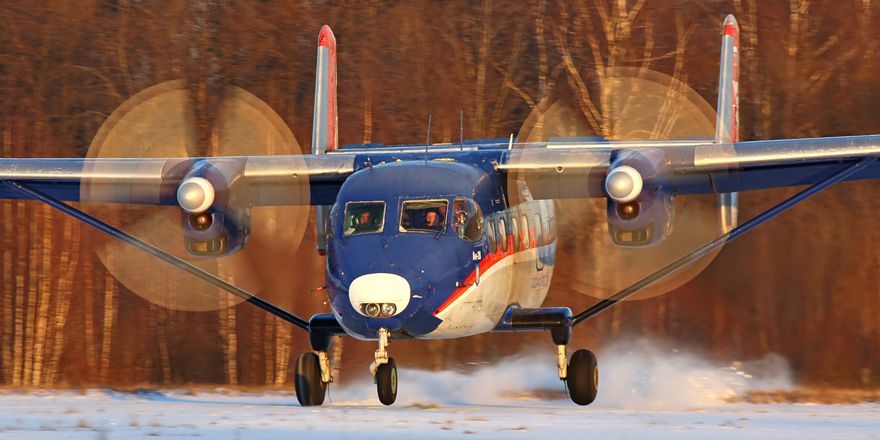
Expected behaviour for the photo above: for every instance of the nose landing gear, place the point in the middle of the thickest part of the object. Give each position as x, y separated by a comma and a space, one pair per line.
384, 371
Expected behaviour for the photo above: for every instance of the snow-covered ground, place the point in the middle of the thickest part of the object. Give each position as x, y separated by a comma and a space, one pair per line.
645, 392
109, 415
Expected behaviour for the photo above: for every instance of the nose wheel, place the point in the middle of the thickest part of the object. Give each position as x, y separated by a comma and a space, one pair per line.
384, 371
386, 382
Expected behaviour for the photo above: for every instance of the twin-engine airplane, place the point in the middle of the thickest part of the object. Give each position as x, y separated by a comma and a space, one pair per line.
454, 240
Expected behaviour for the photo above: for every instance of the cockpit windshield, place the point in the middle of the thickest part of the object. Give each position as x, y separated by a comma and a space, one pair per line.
467, 219
423, 215
364, 217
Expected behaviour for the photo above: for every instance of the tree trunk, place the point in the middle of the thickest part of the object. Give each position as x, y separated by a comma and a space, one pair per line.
45, 294
8, 327
230, 340
108, 322
283, 339
69, 261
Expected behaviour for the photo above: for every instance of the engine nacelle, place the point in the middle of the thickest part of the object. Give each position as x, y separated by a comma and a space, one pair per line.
216, 234
216, 213
646, 221
640, 209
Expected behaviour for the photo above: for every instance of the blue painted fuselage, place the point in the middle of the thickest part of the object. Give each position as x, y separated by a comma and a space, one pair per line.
440, 267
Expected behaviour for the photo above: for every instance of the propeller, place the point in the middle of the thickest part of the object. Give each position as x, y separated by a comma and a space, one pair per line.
634, 105
159, 122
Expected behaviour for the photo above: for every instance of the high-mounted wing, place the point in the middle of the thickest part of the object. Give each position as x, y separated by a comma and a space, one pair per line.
269, 180
565, 170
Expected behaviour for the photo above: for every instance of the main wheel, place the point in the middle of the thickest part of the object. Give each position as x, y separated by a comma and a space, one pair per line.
583, 377
386, 382
310, 389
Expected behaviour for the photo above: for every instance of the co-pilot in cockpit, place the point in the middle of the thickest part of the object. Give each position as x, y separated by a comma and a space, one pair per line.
423, 215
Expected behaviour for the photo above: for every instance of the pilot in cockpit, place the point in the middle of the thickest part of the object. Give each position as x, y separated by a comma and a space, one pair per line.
432, 220
363, 223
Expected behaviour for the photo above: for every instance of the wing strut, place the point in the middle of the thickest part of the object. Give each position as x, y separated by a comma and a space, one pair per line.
158, 253
734, 233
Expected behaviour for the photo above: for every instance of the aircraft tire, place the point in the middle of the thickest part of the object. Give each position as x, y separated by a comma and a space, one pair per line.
386, 382
583, 377
310, 390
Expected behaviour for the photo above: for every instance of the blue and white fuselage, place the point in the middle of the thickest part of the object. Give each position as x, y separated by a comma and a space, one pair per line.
444, 282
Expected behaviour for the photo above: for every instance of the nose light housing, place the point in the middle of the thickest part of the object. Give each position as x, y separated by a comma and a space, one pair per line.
379, 295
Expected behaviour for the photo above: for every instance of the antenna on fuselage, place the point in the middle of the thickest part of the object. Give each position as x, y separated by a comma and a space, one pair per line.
461, 130
428, 138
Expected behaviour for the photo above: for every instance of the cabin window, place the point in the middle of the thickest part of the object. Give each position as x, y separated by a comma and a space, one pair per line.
502, 234
549, 233
467, 219
539, 230
514, 232
526, 242
539, 235
364, 217
423, 215
490, 236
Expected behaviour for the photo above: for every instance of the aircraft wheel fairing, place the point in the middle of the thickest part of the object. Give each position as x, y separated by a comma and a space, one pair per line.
583, 377
386, 382
310, 390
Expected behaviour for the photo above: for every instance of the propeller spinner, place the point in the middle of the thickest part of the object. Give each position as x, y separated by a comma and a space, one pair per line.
623, 184
195, 195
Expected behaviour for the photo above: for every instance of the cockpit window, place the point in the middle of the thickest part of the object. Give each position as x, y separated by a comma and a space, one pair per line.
423, 215
364, 217
467, 219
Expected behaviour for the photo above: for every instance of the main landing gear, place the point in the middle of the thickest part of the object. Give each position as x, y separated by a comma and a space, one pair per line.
311, 377
580, 373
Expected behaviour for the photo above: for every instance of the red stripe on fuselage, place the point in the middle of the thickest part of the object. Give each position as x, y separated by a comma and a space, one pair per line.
485, 264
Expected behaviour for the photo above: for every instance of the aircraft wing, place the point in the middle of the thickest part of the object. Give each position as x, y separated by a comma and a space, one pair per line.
698, 167
269, 180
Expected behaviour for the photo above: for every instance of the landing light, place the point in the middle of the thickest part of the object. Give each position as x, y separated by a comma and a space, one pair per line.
388, 309
628, 211
380, 310
372, 310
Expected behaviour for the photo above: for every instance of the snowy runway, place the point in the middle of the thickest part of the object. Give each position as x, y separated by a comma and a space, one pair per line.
644, 392
110, 415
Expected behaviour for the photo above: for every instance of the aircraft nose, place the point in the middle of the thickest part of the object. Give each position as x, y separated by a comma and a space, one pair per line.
379, 295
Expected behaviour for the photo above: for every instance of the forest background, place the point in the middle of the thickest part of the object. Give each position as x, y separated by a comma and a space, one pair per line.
805, 286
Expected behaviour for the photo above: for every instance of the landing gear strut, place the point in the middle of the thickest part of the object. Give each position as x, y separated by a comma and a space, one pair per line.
581, 372
384, 371
312, 372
